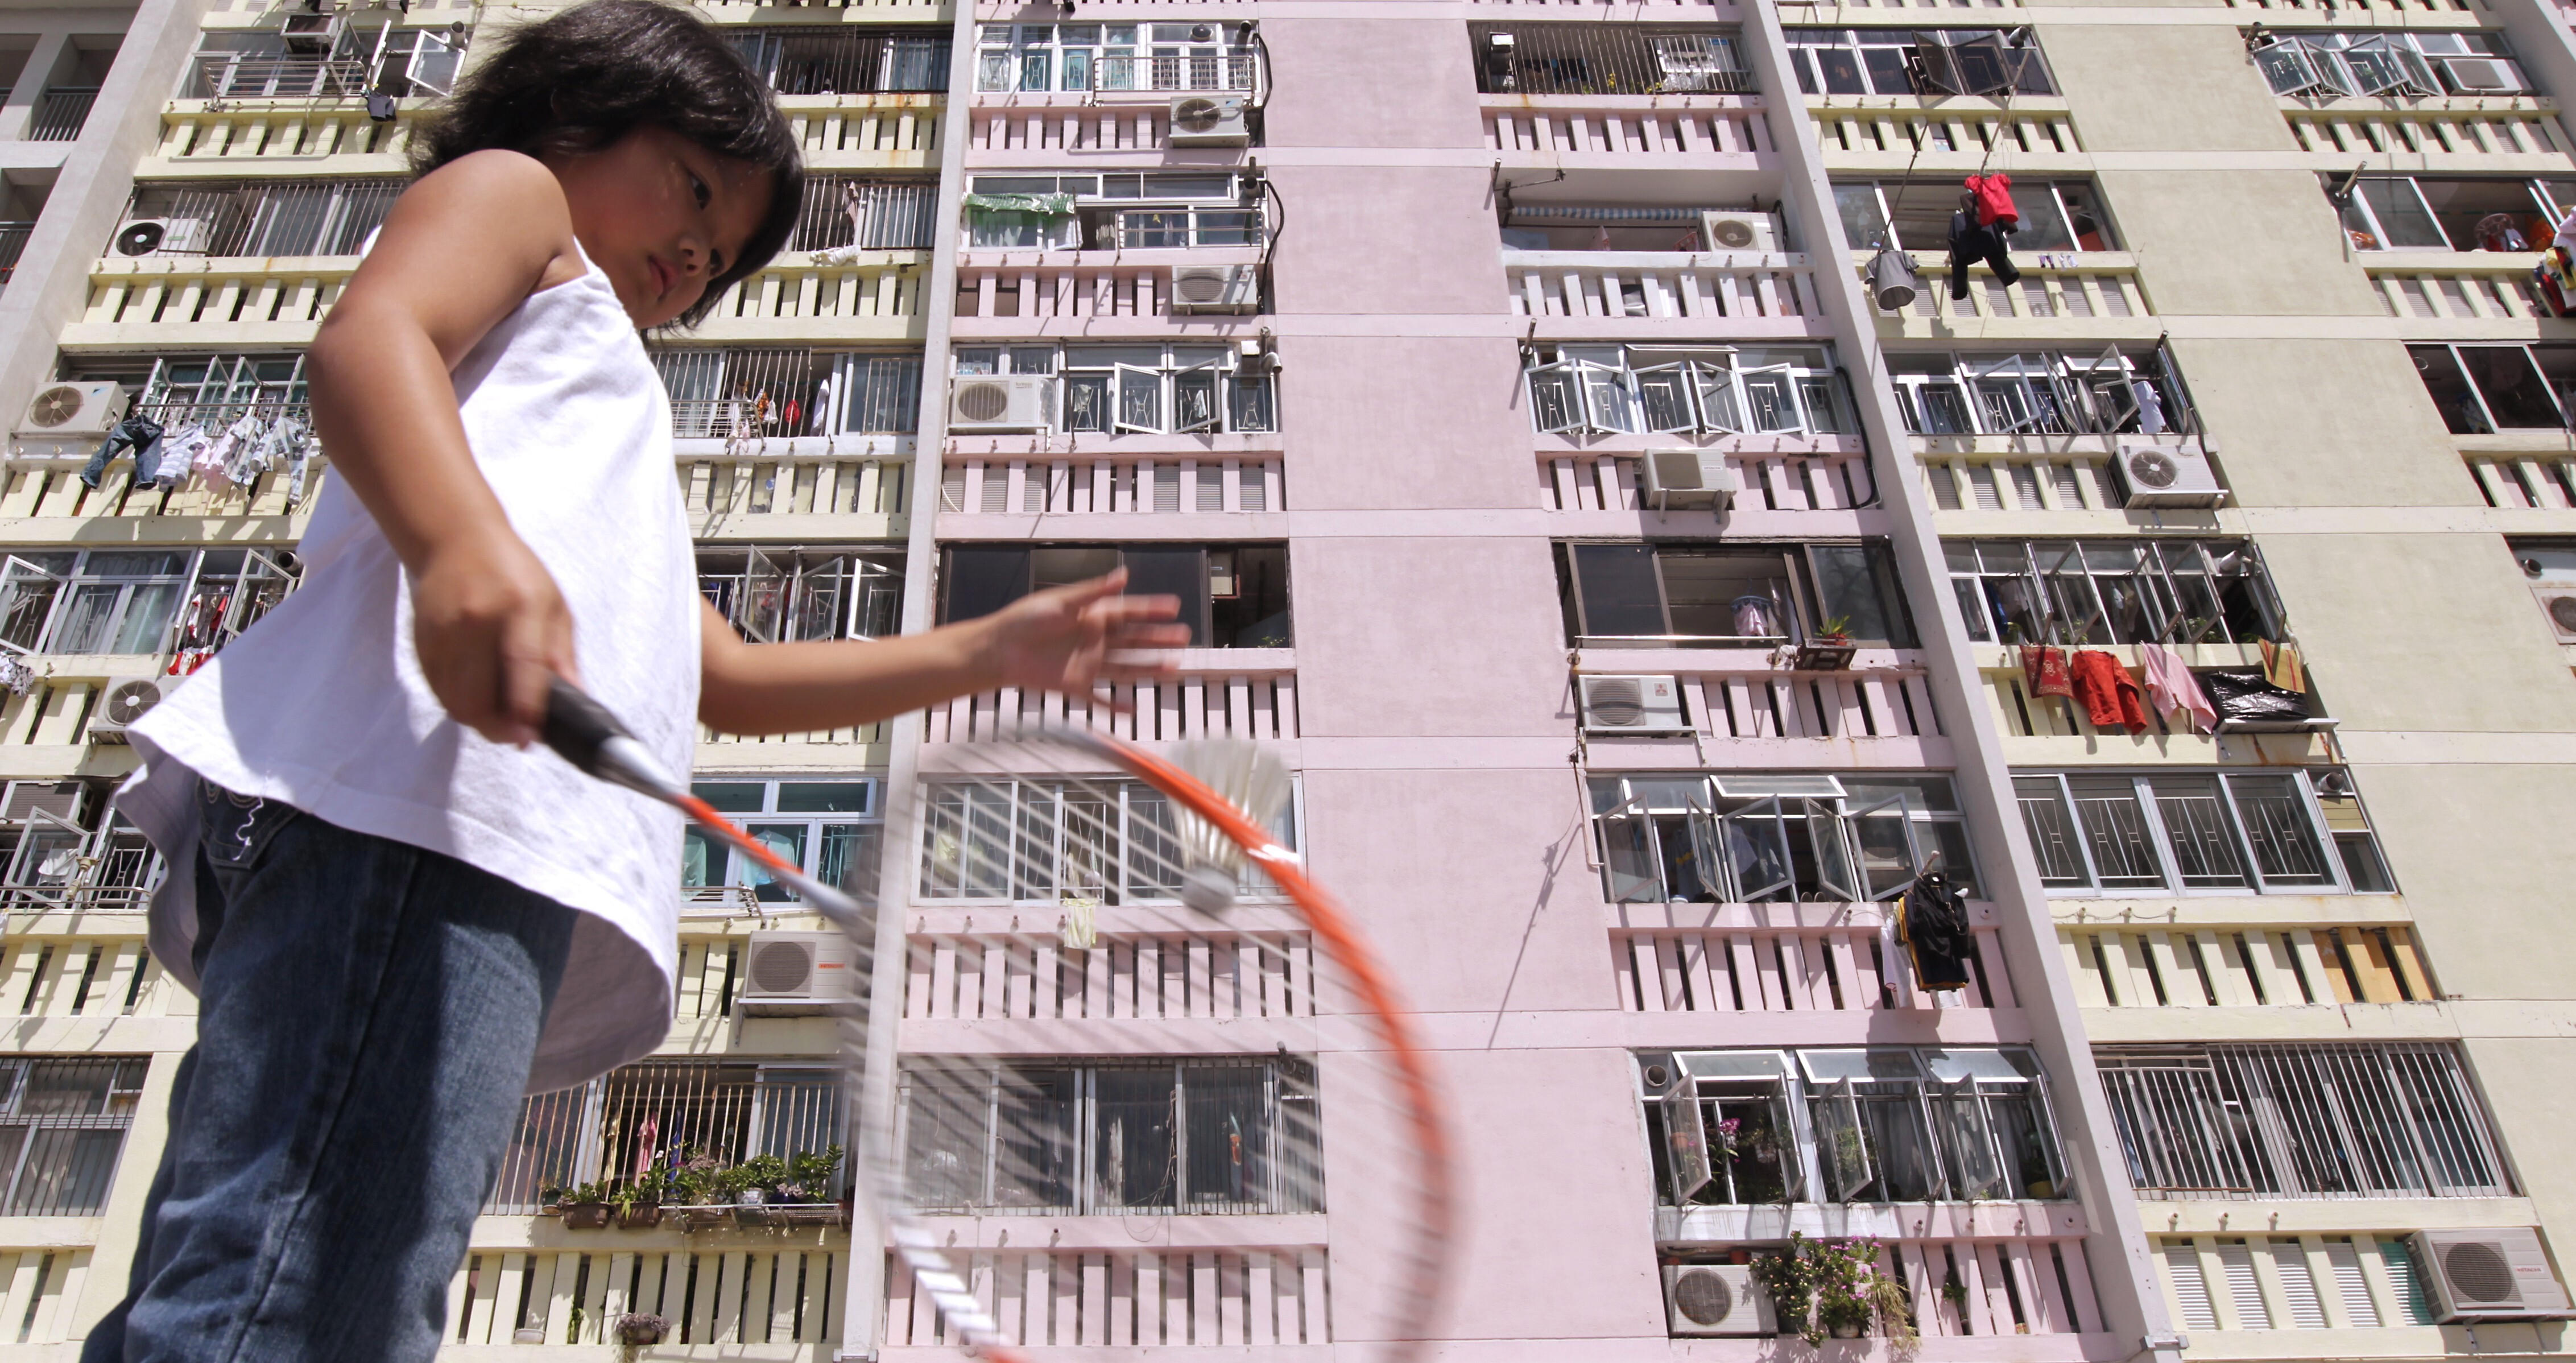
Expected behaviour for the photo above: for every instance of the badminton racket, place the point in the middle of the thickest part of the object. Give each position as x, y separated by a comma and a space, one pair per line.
1136, 1031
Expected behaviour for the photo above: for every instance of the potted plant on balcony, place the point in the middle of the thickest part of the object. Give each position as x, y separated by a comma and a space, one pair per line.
637, 1328
1788, 1276
1829, 649
638, 1205
584, 1208
805, 1196
750, 1183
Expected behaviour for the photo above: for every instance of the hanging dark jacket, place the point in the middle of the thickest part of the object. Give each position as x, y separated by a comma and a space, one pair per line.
1971, 242
1932, 922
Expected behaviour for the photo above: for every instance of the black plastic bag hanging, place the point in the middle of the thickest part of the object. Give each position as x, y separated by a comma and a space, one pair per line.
1932, 922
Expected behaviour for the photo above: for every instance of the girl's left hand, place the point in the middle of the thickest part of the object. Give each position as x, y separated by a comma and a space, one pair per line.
1069, 638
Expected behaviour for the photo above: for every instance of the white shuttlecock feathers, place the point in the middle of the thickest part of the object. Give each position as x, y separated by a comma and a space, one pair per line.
1251, 779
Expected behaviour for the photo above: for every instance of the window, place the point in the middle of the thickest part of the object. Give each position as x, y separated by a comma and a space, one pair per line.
1882, 1124
749, 395
217, 390
1686, 390
1189, 1137
2388, 1119
2398, 212
1606, 59
2039, 393
62, 1128
137, 601
776, 596
2407, 65
277, 218
836, 61
2071, 592
2056, 215
1164, 210
1739, 597
662, 1111
1886, 61
2483, 389
2177, 832
1232, 595
1188, 56
1046, 841
1139, 389
1753, 838
832, 830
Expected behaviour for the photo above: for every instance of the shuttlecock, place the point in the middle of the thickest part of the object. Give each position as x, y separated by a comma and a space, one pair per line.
1251, 779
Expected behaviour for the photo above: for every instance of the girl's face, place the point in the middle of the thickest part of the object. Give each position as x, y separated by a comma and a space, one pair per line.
662, 216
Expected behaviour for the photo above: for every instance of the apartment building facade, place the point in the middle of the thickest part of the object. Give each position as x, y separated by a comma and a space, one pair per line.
1647, 574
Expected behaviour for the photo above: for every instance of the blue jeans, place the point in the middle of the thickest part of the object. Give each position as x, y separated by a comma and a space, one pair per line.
367, 1014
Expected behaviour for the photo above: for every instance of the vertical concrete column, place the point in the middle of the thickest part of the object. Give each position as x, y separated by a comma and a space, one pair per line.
19, 113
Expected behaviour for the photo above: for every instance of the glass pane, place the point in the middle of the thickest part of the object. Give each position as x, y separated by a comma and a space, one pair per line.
1086, 402
1774, 407
147, 618
823, 797
2043, 227
1628, 862
700, 854
1556, 404
2196, 825
1132, 1139
1228, 1137
1864, 222
847, 860
787, 842
2487, 215
2277, 826
2403, 220
1847, 589
1617, 589
946, 1126
1976, 1172
731, 797
86, 618
2115, 831
1034, 1139
66, 1172
2449, 389
2517, 397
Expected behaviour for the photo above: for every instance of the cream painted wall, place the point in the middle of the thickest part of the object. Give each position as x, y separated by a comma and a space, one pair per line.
2162, 88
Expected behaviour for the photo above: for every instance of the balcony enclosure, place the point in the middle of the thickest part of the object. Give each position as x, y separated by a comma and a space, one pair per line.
2120, 390
2487, 389
776, 595
1039, 58
2451, 213
2056, 215
62, 1132
2390, 1119
846, 212
1012, 841
842, 61
747, 395
1930, 62
1682, 595
1135, 389
2399, 64
2200, 832
2102, 592
1161, 1137
1701, 390
1232, 595
232, 219
1168, 210
63, 847
1606, 59
1754, 838
327, 56
1603, 226
1884, 1124
636, 1123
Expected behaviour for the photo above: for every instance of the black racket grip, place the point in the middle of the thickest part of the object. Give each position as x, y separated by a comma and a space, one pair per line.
577, 728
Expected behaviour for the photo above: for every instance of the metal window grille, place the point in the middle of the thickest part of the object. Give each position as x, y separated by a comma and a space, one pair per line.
627, 1124
1193, 1137
832, 61
870, 215
1606, 59
316, 218
2388, 1120
751, 395
62, 113
62, 1129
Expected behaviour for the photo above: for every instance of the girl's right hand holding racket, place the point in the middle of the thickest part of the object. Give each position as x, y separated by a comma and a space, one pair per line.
492, 633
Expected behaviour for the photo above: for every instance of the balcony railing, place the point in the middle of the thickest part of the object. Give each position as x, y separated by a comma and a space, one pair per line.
2074, 287
13, 243
88, 977
2455, 286
753, 1293
230, 76
2254, 968
740, 492
895, 132
1878, 702
203, 135
999, 73
2448, 131
1773, 958
876, 297
2525, 480
2040, 729
1643, 286
53, 1279
1823, 479
1248, 693
997, 485
993, 976
1119, 1297
1080, 123
61, 113
1094, 286
1703, 126
1855, 135
57, 492
2076, 480
2388, 1119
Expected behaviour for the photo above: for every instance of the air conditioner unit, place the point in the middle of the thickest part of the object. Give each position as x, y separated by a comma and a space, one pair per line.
1687, 478
1208, 121
790, 973
2500, 1274
1216, 288
1013, 402
1715, 1299
2482, 76
75, 409
1739, 231
122, 701
2167, 476
164, 236
2558, 602
1633, 705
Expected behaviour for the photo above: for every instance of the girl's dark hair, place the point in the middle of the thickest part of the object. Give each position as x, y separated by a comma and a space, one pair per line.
581, 79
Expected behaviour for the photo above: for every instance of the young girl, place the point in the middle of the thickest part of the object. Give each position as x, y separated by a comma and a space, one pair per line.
400, 915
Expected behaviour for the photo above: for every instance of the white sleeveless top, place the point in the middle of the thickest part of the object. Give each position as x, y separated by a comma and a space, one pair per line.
322, 705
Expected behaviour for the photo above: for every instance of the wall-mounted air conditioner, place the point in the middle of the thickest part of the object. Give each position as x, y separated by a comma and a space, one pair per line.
1687, 478
79, 410
1633, 705
1208, 121
1715, 1299
1216, 288
1739, 231
2482, 76
2501, 1274
164, 236
122, 701
790, 973
2558, 602
2167, 476
1001, 402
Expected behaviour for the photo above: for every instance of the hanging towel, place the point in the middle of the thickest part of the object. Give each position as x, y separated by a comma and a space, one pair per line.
2171, 687
1994, 199
2282, 668
1932, 922
2151, 406
2110, 695
2043, 669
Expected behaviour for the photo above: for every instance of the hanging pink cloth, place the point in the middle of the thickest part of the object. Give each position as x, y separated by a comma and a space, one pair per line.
2171, 687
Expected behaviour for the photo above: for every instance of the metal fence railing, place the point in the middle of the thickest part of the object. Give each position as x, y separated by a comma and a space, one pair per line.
1606, 59
61, 113
251, 75
314, 218
749, 395
625, 1125
2246, 1121
836, 61
870, 215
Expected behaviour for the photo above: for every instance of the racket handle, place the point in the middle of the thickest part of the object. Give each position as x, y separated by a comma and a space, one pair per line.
584, 733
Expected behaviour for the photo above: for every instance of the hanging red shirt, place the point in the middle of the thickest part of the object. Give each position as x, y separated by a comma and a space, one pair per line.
2109, 693
1994, 199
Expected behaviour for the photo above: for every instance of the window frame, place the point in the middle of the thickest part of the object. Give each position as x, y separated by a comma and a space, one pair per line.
743, 883
1244, 403
2562, 398
1599, 389
1740, 845
118, 1099
2168, 593
242, 594
2068, 382
1798, 607
2083, 876
1136, 823
1806, 44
